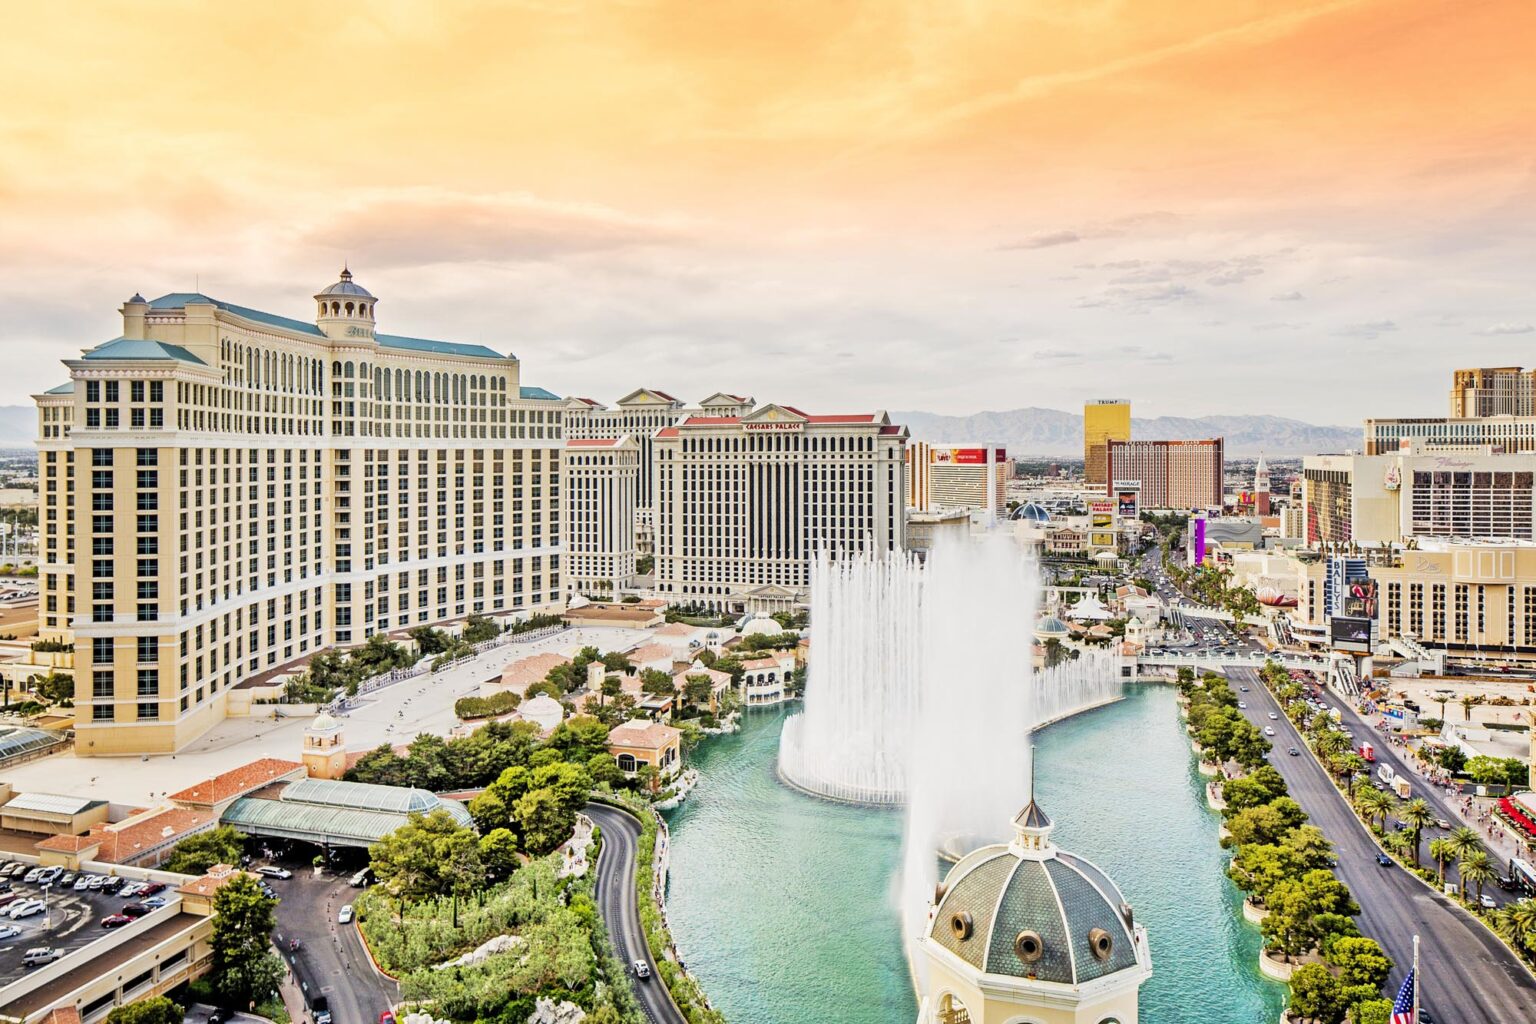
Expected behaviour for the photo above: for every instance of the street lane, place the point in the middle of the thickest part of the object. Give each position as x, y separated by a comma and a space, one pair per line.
332, 961
1467, 975
616, 901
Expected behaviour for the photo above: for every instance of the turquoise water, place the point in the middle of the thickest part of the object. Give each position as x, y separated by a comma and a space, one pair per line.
782, 904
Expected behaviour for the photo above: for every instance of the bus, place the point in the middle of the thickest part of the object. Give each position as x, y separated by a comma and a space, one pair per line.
1385, 774
1368, 752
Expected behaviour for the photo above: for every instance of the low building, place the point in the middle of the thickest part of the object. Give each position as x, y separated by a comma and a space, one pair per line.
765, 678
719, 682
541, 710
142, 840
639, 743
219, 792
329, 812
51, 814
523, 673
658, 657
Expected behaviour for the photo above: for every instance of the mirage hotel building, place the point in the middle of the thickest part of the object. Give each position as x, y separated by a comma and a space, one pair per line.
225, 491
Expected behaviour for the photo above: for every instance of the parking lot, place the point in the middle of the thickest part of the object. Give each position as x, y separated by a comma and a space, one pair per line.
72, 919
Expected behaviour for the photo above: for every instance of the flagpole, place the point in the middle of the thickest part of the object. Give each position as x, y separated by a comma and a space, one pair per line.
1417, 981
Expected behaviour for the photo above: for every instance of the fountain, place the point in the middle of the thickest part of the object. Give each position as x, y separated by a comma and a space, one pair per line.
850, 744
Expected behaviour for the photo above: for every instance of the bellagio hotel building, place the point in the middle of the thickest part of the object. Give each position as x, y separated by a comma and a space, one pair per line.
226, 491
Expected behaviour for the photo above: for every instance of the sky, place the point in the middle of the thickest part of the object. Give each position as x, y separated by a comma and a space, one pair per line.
1313, 209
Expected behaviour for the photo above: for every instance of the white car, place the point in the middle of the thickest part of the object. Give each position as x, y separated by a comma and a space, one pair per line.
1269, 730
31, 876
82, 883
9, 931
274, 872
131, 889
1242, 705
26, 908
1488, 902
345, 917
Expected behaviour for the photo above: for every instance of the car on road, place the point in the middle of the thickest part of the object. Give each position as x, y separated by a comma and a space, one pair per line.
1273, 717
345, 917
641, 969
40, 955
1294, 752
219, 1016
1243, 688
1383, 860
1488, 902
1242, 705
1269, 730
387, 1017
272, 871
294, 945
116, 920
322, 1010
9, 931
1443, 824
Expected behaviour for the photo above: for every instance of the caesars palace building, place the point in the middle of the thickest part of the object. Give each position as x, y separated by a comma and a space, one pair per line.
224, 491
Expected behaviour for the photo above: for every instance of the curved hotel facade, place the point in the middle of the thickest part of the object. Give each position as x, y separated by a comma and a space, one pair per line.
226, 491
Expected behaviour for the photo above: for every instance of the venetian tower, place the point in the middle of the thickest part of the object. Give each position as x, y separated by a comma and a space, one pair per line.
325, 749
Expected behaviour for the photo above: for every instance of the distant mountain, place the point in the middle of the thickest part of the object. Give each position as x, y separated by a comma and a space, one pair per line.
18, 426
1053, 432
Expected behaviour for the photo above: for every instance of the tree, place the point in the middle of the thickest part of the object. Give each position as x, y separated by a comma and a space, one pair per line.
1440, 850
1452, 759
1311, 847
1360, 962
498, 853
1468, 702
603, 769
1259, 867
1463, 842
195, 854
1416, 815
698, 689
1315, 995
54, 687
616, 661
245, 970
655, 681
154, 1010
1371, 1011
1376, 804
430, 855
544, 822
478, 629
1516, 774
1475, 869
1269, 824
1257, 788
1486, 771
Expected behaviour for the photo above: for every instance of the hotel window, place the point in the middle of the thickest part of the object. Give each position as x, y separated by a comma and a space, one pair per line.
101, 650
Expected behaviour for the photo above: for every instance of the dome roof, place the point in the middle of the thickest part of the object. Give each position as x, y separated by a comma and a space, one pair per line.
1032, 513
1041, 914
324, 723
1050, 625
346, 286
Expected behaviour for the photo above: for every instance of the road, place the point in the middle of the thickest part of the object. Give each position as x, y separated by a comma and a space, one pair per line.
1432, 795
621, 914
331, 961
1467, 975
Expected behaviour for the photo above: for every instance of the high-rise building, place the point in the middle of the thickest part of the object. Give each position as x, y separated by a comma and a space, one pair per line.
639, 415
225, 492
600, 487
743, 502
1508, 434
1420, 492
1104, 420
1171, 474
956, 476
1493, 391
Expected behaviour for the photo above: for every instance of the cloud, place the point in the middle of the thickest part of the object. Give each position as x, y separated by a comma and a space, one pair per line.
1233, 275
1504, 327
1291, 296
1058, 355
1043, 240
1279, 325
1368, 329
411, 227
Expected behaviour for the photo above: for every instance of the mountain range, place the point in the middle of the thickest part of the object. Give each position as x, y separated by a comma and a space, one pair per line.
1035, 431
18, 426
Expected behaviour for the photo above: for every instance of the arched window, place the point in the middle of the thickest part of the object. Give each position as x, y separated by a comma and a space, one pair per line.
626, 762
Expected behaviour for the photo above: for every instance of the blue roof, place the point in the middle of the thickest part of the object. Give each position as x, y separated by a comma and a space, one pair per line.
67, 388
132, 348
529, 392
177, 300
444, 348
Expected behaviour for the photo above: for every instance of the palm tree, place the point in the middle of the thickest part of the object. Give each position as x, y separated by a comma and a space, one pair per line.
1375, 804
1416, 815
1395, 842
1440, 849
1475, 870
1463, 842
1467, 702
1522, 922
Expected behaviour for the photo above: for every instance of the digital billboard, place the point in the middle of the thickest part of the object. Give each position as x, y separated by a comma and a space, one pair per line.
1103, 520
964, 456
1350, 634
1360, 599
1126, 502
1101, 540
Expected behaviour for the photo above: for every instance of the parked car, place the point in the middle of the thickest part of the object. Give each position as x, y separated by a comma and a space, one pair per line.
219, 1016
272, 871
153, 888
9, 931
82, 883
26, 908
49, 876
131, 889
154, 901
98, 882
67, 879
137, 910
116, 920
40, 955
32, 875
8, 898
113, 885
345, 917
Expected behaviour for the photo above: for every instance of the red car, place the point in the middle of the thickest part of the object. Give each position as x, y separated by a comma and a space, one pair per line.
153, 889
116, 920
387, 1017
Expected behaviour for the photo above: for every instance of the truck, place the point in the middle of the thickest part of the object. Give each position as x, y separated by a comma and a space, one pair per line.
1402, 787
1385, 774
1368, 752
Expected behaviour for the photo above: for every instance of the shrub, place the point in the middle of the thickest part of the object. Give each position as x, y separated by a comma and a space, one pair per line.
486, 707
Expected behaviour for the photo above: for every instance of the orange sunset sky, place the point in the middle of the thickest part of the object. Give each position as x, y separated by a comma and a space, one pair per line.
897, 204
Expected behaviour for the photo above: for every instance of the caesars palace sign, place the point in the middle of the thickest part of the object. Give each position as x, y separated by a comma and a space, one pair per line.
774, 425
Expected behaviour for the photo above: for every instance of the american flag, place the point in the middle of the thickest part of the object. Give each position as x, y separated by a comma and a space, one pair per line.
1402, 1006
